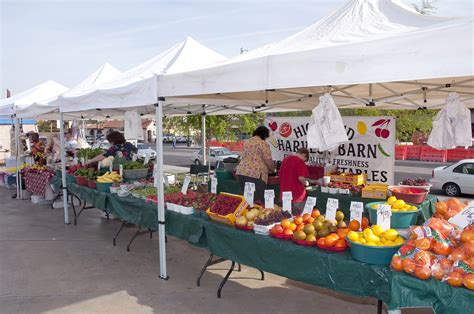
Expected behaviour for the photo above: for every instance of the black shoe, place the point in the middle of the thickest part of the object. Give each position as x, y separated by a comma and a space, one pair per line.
14, 195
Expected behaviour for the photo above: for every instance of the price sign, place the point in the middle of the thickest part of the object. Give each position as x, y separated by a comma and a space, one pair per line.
357, 208
309, 205
464, 218
186, 182
331, 208
384, 212
75, 161
269, 199
99, 165
214, 185
286, 199
134, 157
147, 159
249, 192
111, 167
121, 170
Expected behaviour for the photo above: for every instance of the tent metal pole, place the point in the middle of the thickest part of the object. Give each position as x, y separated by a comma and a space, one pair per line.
203, 135
17, 156
63, 168
160, 187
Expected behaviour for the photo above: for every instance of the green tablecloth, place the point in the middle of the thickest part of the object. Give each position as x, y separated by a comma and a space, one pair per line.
133, 210
411, 292
336, 271
427, 207
97, 199
187, 227
56, 183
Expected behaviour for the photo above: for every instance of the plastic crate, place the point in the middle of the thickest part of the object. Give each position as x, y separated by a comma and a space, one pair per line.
355, 179
428, 153
470, 153
401, 152
377, 191
457, 154
230, 218
413, 152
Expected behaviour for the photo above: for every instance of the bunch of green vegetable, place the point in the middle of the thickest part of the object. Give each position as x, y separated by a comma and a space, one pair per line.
83, 172
131, 165
144, 191
172, 189
88, 153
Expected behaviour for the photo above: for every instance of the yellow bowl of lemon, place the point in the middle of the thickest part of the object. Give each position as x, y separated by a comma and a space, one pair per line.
403, 214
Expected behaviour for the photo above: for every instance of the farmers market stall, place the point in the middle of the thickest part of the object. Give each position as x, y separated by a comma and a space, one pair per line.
336, 271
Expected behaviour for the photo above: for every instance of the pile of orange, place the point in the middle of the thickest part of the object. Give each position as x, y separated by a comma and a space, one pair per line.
288, 226
438, 250
448, 208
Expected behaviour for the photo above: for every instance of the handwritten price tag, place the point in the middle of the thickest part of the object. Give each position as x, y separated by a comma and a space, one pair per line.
249, 192
286, 198
269, 199
357, 208
214, 185
134, 157
147, 159
186, 182
465, 217
121, 170
309, 205
331, 208
384, 212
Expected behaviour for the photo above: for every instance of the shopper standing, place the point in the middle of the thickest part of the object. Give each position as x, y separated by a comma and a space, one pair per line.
256, 162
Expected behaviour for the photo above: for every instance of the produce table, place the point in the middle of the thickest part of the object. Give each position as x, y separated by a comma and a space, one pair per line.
336, 271
233, 186
410, 292
427, 207
36, 181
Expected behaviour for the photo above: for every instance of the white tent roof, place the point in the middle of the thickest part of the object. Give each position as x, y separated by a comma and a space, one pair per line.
32, 102
378, 50
138, 86
103, 74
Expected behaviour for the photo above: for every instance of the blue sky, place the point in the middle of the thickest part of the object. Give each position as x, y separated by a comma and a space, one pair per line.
66, 40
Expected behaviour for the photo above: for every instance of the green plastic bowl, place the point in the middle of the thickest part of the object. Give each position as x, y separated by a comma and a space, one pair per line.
104, 186
399, 220
381, 255
224, 174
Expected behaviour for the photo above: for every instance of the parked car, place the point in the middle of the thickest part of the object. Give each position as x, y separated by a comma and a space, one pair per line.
102, 144
216, 154
454, 179
144, 150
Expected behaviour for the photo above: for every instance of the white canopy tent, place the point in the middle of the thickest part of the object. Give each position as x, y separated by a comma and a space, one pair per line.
136, 89
32, 102
371, 52
29, 104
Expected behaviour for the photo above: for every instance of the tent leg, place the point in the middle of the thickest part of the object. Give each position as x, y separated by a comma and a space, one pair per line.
160, 187
17, 145
63, 169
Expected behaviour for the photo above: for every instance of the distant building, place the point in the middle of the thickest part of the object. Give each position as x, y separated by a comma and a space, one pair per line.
5, 126
148, 126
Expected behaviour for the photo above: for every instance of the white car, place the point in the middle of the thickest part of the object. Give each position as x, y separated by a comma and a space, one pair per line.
216, 154
454, 179
144, 150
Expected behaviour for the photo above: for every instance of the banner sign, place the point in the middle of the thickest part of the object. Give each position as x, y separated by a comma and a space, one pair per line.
370, 150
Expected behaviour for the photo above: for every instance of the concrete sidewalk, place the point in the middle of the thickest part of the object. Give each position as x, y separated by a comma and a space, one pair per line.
49, 267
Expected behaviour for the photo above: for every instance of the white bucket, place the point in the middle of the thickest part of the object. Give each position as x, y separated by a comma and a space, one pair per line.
36, 199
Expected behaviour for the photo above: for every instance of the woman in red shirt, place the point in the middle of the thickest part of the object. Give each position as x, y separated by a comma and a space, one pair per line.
294, 176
